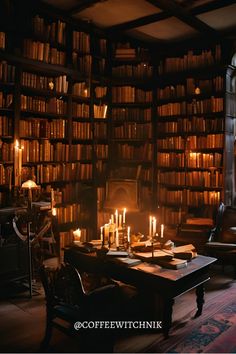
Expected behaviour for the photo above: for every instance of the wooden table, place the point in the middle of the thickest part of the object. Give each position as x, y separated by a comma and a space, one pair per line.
167, 283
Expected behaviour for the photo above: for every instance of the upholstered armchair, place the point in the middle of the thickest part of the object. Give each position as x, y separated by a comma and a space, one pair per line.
222, 240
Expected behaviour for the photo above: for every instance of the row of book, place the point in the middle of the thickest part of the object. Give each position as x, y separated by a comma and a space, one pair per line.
81, 130
81, 152
7, 72
130, 94
43, 105
68, 193
130, 152
100, 46
41, 51
101, 168
174, 142
35, 151
100, 111
5, 126
129, 130
5, 174
209, 141
192, 178
138, 71
68, 213
42, 128
191, 126
190, 160
213, 104
171, 216
2, 40
82, 63
171, 159
100, 130
203, 160
49, 31
6, 152
189, 197
56, 84
99, 66
101, 151
101, 194
190, 87
125, 53
80, 110
6, 100
81, 42
100, 91
63, 172
81, 89
190, 61
132, 114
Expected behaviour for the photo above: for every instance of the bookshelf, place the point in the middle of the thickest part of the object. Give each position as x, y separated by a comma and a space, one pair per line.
132, 114
191, 139
53, 109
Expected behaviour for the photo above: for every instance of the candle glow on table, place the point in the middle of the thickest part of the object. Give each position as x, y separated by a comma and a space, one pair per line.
77, 234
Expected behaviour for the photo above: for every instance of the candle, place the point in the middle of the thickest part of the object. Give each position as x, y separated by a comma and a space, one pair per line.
128, 234
16, 163
112, 218
101, 235
124, 212
154, 227
116, 218
150, 226
20, 164
120, 221
117, 238
162, 230
54, 211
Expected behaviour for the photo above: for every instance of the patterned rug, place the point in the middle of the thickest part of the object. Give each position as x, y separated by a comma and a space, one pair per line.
213, 332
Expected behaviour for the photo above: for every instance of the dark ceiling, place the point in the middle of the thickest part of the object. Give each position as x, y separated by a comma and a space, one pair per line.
161, 21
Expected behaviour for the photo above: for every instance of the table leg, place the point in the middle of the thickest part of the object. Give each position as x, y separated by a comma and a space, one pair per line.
167, 316
200, 300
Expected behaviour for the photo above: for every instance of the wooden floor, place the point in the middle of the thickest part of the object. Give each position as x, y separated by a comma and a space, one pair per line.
22, 320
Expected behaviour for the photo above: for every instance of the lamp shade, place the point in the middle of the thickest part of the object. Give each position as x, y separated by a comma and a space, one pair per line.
29, 185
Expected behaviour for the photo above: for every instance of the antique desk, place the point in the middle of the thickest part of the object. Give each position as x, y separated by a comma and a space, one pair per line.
167, 283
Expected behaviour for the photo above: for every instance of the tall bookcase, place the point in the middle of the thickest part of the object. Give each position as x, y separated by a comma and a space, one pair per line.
191, 134
53, 121
131, 115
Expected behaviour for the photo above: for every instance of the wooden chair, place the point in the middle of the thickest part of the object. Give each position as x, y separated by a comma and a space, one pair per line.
67, 302
222, 240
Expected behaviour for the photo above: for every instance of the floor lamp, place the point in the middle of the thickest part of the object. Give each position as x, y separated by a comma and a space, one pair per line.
29, 186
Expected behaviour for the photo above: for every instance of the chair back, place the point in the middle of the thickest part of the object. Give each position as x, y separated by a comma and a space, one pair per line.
62, 285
